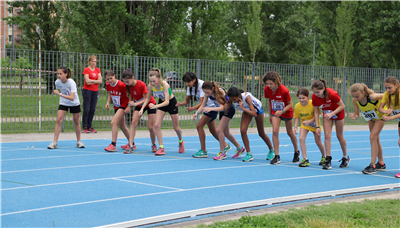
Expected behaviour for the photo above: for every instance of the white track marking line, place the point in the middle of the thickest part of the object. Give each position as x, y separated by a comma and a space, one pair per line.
80, 166
137, 175
64, 156
167, 192
154, 185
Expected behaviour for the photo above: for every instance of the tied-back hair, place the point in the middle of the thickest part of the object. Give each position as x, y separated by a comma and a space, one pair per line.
219, 96
91, 58
234, 92
66, 70
393, 80
303, 91
272, 76
188, 77
321, 84
362, 88
109, 72
156, 72
127, 74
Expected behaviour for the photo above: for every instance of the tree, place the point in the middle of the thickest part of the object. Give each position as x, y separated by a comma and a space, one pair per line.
345, 20
254, 27
127, 28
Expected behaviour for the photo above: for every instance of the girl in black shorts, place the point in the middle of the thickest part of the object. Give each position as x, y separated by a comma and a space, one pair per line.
166, 103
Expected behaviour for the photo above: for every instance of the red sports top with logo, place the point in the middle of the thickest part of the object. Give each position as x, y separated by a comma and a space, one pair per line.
94, 75
329, 105
119, 94
279, 100
137, 92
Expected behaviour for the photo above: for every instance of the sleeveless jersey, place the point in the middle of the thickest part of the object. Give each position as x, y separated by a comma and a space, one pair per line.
160, 93
256, 103
370, 110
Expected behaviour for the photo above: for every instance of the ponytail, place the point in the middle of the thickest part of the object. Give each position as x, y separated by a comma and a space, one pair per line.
66, 70
361, 87
219, 96
320, 85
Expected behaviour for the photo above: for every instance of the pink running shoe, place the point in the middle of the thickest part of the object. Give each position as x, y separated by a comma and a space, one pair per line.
182, 147
160, 152
397, 175
239, 152
111, 148
154, 148
125, 147
91, 130
85, 130
221, 156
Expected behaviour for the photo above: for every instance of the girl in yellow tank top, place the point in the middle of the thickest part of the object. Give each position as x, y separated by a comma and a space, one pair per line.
166, 103
366, 101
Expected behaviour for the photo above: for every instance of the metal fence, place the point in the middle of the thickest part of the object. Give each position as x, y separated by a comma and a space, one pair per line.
20, 84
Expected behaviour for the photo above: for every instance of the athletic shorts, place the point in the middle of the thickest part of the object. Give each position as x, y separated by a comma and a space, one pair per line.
170, 108
213, 114
149, 110
115, 110
283, 118
72, 109
399, 123
261, 111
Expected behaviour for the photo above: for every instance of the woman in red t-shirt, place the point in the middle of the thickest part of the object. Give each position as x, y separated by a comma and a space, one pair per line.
280, 107
138, 92
90, 93
332, 108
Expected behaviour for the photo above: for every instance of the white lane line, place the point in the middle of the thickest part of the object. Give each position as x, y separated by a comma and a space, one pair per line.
167, 192
154, 185
80, 166
137, 175
64, 156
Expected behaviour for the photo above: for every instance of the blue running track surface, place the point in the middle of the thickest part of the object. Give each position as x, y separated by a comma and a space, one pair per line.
72, 187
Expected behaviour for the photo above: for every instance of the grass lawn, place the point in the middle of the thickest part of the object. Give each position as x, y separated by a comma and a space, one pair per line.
368, 213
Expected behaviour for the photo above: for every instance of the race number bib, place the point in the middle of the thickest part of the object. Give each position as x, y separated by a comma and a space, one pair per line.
329, 111
277, 106
396, 112
370, 115
160, 94
312, 124
116, 100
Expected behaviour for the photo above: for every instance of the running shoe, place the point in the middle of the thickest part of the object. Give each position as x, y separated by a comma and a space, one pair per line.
380, 167
276, 160
53, 145
227, 148
369, 170
345, 162
160, 152
91, 130
221, 156
322, 162
200, 154
271, 154
154, 148
111, 148
239, 152
304, 163
125, 146
327, 165
248, 157
296, 157
79, 144
128, 150
397, 175
85, 130
181, 147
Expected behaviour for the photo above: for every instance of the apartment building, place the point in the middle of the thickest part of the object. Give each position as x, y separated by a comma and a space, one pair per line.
8, 33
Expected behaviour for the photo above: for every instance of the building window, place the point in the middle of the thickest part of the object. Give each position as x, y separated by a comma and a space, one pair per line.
10, 38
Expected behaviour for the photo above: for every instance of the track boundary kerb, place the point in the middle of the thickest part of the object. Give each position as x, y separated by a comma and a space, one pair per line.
250, 204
